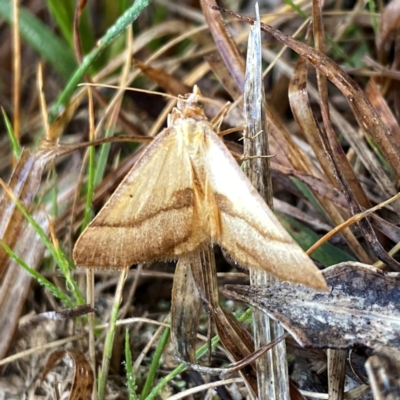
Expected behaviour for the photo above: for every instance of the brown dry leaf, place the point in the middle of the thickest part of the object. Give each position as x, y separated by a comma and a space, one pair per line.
235, 339
383, 369
16, 283
185, 312
24, 183
83, 380
163, 79
225, 44
17, 234
378, 101
220, 70
362, 307
300, 105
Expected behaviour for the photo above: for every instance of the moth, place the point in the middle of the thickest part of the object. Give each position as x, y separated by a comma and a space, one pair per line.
187, 190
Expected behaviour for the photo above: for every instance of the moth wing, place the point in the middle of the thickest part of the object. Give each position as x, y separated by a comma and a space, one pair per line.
249, 230
150, 215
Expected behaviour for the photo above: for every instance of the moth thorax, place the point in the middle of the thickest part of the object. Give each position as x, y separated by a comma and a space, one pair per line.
193, 136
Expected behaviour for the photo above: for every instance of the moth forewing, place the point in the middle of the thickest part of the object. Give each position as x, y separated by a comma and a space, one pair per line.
250, 231
187, 190
149, 216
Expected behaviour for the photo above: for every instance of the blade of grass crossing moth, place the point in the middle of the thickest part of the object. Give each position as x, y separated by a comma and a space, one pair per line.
272, 370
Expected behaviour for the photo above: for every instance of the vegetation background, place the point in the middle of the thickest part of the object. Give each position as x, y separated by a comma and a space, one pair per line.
59, 184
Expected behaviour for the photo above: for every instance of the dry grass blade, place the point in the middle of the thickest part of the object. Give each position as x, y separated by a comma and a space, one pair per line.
272, 370
55, 316
83, 378
24, 183
221, 71
318, 185
340, 165
79, 8
17, 71
380, 104
226, 46
336, 373
350, 221
255, 356
383, 372
302, 112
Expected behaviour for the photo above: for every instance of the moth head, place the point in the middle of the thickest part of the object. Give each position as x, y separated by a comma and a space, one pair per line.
190, 105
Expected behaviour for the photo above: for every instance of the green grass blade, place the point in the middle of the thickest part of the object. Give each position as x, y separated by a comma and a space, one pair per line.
38, 277
199, 353
120, 25
55, 251
90, 189
109, 341
155, 363
310, 197
63, 13
14, 142
130, 378
54, 50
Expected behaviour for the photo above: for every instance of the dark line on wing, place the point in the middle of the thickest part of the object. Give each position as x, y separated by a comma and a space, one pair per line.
225, 206
181, 199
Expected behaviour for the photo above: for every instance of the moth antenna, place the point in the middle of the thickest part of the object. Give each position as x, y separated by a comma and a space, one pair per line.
116, 87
